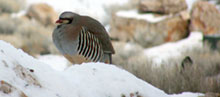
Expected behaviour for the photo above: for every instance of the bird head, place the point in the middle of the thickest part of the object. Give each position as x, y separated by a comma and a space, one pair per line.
67, 18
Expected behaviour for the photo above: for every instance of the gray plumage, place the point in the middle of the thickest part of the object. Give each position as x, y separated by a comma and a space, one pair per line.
82, 36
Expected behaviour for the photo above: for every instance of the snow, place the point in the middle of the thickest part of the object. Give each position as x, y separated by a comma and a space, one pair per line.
190, 4
188, 94
98, 9
148, 17
85, 80
165, 51
57, 62
215, 2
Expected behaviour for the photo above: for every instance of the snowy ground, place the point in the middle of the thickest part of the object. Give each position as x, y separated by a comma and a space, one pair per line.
25, 75
148, 17
161, 53
57, 62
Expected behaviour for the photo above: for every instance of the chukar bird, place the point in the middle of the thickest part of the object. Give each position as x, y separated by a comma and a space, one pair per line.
82, 39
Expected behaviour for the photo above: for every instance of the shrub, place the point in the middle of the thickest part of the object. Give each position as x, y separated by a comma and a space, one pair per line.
202, 76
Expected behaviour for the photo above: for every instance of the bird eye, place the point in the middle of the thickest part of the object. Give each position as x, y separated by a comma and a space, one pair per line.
70, 20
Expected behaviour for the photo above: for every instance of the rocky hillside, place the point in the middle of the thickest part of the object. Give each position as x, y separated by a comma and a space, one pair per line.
151, 37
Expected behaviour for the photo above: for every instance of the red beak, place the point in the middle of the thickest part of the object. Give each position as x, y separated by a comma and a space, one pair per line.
59, 21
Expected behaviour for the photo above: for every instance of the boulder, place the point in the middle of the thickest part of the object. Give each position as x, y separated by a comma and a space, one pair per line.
43, 13
8, 25
148, 29
162, 6
205, 17
9, 89
10, 6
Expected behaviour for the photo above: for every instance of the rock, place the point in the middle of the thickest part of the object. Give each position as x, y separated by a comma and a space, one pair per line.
148, 29
10, 6
8, 89
162, 6
7, 25
43, 13
205, 18
26, 75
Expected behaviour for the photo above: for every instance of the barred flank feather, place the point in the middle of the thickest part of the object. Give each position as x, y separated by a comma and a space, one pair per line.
89, 46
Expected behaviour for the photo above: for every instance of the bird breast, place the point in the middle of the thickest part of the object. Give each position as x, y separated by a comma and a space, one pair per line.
61, 41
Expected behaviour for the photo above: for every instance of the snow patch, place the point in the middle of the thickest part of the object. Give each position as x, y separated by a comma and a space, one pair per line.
148, 17
190, 4
161, 53
188, 94
57, 62
37, 79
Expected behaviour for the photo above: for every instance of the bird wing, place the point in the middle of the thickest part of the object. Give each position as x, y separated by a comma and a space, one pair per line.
99, 31
89, 45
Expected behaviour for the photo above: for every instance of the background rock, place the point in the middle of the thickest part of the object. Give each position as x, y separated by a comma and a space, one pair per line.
205, 18
162, 6
8, 28
10, 6
43, 13
7, 25
148, 29
8, 89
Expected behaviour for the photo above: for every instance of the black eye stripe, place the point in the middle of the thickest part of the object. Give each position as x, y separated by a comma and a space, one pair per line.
70, 19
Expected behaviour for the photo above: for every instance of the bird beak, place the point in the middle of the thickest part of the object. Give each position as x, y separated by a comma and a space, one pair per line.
59, 21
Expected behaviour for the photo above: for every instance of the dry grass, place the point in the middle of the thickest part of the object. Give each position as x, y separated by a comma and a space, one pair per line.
32, 37
36, 38
202, 76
